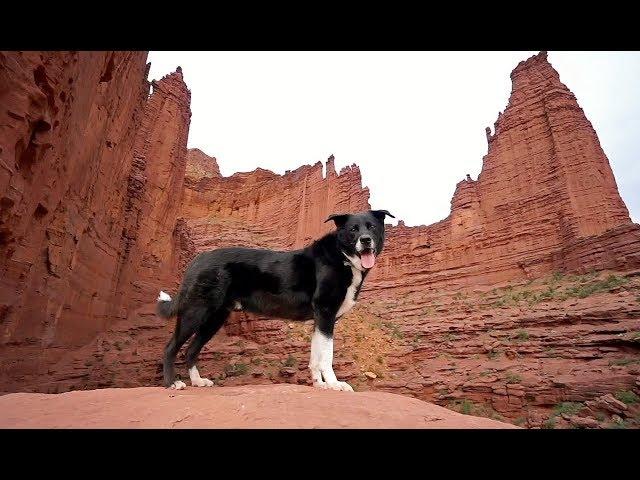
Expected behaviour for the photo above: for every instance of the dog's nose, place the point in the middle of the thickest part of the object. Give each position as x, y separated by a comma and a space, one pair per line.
365, 240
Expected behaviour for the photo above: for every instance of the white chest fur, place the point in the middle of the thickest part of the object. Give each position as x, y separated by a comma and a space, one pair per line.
349, 298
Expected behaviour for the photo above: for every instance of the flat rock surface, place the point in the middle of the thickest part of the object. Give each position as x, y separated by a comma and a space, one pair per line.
254, 406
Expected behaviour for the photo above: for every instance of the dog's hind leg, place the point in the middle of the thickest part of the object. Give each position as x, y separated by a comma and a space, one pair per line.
200, 339
186, 325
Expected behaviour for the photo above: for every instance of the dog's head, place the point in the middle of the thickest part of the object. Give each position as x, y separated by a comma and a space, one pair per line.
361, 235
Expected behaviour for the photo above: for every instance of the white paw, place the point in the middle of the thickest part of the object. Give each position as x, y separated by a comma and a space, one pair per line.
322, 385
178, 385
340, 386
202, 382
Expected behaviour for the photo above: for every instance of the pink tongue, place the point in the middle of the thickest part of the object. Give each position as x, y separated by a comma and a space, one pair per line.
367, 259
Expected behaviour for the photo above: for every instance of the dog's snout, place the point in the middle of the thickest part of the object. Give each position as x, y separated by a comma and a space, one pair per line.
365, 240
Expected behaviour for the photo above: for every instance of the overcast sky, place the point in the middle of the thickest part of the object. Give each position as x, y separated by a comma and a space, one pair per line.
413, 121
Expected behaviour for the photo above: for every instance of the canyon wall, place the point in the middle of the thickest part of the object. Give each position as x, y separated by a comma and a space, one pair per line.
500, 303
546, 200
287, 210
92, 173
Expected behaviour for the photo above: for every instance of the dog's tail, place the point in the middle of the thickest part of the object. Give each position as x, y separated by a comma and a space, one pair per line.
166, 308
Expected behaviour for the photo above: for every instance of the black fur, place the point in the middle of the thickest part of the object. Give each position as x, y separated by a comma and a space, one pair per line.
304, 284
166, 309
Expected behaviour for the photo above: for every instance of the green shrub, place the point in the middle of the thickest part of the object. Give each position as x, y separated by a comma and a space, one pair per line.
570, 408
556, 277
584, 290
235, 369
624, 361
513, 377
627, 397
464, 406
550, 423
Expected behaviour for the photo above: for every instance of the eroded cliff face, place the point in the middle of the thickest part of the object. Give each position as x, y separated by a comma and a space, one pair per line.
504, 313
284, 211
526, 296
543, 201
91, 170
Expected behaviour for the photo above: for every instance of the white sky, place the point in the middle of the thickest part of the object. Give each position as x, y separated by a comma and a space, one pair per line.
412, 121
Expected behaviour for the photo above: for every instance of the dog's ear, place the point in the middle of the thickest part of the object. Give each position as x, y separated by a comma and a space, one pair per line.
380, 214
339, 218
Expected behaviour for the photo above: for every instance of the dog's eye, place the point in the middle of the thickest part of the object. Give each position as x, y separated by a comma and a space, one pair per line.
355, 228
371, 226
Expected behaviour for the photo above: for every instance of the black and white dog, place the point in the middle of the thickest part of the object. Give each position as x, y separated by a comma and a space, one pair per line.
319, 282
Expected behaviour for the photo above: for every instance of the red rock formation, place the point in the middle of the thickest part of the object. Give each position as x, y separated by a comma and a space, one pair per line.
149, 246
267, 406
516, 351
92, 173
287, 210
546, 200
200, 165
67, 130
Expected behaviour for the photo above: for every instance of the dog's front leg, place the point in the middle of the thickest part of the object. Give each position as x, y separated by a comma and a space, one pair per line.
321, 361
